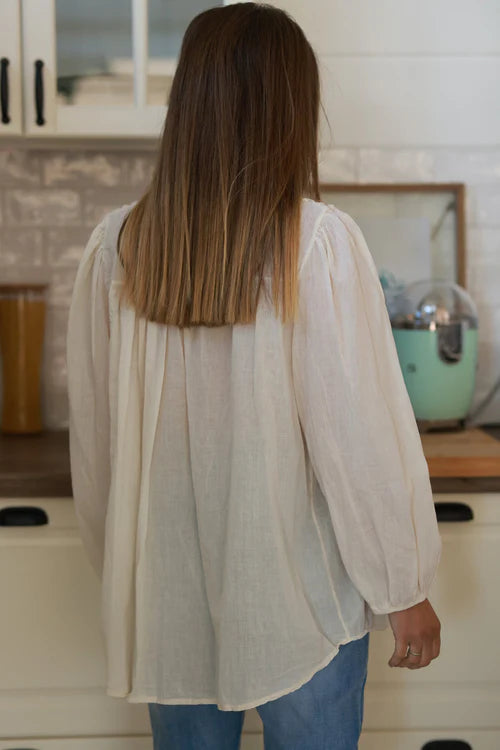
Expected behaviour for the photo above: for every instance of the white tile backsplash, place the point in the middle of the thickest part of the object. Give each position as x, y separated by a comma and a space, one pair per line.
483, 245
470, 165
138, 170
19, 167
61, 286
483, 204
82, 169
388, 165
338, 165
64, 245
98, 202
21, 246
42, 207
51, 200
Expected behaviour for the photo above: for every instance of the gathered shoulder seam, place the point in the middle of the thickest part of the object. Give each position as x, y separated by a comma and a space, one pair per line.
314, 234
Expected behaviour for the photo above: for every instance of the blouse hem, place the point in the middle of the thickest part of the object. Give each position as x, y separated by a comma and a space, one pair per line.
131, 698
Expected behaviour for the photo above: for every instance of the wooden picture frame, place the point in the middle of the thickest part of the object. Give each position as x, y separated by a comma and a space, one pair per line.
456, 188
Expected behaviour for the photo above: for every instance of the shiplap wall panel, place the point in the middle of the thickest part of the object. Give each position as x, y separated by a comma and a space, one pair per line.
399, 102
394, 27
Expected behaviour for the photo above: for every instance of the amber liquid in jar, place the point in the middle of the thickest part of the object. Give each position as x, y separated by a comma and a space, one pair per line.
22, 322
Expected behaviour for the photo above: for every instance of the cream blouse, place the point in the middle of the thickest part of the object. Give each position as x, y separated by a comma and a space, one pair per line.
251, 496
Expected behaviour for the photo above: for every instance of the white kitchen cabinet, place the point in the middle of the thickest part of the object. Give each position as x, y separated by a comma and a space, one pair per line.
10, 68
460, 690
85, 66
430, 740
85, 743
91, 68
102, 743
52, 661
52, 665
476, 740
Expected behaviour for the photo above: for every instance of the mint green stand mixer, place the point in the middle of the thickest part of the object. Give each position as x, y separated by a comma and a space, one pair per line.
435, 327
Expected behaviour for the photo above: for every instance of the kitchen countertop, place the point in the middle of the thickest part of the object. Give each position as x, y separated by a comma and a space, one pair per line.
462, 461
465, 460
35, 465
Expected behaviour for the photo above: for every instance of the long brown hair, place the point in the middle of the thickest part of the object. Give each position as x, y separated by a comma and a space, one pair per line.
237, 155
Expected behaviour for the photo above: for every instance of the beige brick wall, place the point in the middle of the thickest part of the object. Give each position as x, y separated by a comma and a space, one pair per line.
51, 199
49, 202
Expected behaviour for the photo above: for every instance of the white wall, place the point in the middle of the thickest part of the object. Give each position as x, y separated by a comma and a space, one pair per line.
412, 93
404, 73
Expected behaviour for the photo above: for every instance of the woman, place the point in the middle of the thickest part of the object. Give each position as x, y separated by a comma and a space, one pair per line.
248, 475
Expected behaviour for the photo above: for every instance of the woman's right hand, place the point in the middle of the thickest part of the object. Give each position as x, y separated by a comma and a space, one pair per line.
420, 627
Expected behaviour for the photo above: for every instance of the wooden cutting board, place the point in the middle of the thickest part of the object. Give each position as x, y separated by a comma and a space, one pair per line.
468, 453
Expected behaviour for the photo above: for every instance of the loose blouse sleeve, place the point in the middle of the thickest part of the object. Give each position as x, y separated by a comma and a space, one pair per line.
87, 356
358, 423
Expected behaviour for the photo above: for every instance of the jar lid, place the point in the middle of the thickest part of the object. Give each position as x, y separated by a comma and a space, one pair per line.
433, 302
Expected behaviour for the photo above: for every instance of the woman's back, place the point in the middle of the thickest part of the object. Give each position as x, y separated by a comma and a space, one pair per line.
254, 521
247, 471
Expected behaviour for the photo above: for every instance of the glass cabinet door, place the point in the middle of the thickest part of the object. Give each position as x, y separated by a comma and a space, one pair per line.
94, 56
167, 22
101, 68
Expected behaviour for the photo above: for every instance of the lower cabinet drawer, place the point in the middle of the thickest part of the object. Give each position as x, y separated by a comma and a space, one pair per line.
248, 742
422, 740
431, 740
82, 743
461, 687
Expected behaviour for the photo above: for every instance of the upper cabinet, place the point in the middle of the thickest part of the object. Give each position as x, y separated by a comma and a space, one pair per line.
10, 68
89, 68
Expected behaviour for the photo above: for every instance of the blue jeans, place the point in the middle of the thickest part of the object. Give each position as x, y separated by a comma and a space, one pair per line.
326, 713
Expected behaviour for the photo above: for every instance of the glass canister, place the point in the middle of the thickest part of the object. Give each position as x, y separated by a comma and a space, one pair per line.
22, 325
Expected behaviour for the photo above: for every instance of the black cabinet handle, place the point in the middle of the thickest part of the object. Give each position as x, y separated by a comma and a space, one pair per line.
23, 515
40, 120
456, 512
447, 745
4, 89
